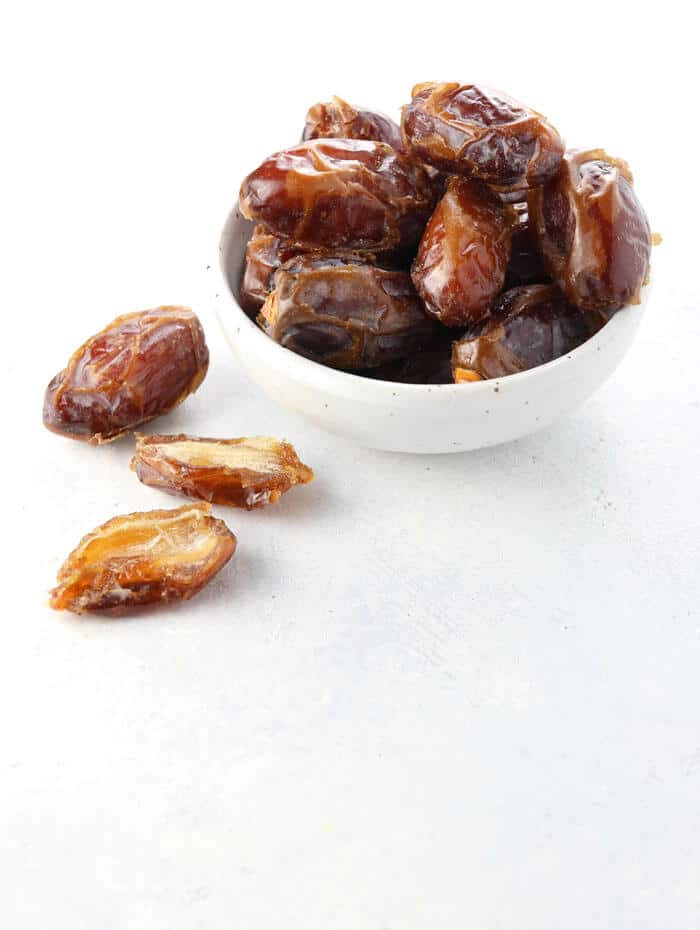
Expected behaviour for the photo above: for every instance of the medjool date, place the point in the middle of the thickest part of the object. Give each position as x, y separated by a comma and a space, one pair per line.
339, 120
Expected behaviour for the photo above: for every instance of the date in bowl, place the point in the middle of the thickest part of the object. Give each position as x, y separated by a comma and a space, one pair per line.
419, 418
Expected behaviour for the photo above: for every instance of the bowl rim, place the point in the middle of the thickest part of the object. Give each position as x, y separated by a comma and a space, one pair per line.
310, 372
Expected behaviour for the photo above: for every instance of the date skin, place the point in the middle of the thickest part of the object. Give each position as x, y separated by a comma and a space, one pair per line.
144, 558
592, 231
340, 194
479, 132
338, 119
432, 365
139, 367
345, 313
245, 473
264, 254
529, 326
462, 258
525, 265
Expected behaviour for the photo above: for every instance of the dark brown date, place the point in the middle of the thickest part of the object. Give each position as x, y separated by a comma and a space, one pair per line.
529, 326
462, 257
340, 194
264, 254
339, 120
473, 130
345, 313
525, 265
139, 367
592, 230
432, 365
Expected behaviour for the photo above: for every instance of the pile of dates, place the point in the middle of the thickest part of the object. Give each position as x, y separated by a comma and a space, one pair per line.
465, 244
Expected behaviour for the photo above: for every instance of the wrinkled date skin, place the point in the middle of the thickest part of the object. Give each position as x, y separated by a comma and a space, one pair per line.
236, 472
525, 265
340, 194
140, 366
344, 313
592, 231
462, 258
529, 326
264, 254
339, 120
473, 130
144, 558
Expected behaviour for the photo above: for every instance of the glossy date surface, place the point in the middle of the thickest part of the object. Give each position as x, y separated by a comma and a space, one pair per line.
529, 326
463, 254
592, 231
345, 313
473, 130
341, 194
338, 119
140, 366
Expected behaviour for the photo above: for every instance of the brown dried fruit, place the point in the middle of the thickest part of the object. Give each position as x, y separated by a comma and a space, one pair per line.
463, 255
140, 366
339, 120
592, 230
345, 313
340, 194
239, 472
144, 558
483, 133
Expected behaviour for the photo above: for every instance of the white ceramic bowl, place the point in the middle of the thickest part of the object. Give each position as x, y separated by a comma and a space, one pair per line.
417, 417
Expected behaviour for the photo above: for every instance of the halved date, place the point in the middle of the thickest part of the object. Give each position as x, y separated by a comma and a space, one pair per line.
529, 326
473, 130
340, 194
139, 367
337, 119
144, 558
239, 472
345, 313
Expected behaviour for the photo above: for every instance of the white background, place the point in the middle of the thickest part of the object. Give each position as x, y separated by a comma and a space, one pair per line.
428, 693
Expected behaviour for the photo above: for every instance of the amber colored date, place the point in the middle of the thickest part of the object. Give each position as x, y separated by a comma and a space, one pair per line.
529, 326
340, 194
345, 313
592, 230
461, 263
238, 472
140, 366
337, 119
264, 254
476, 131
144, 558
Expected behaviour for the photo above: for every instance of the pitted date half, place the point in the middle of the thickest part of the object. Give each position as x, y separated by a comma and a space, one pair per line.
473, 130
140, 366
339, 120
340, 194
144, 558
344, 313
529, 326
592, 230
246, 473
463, 255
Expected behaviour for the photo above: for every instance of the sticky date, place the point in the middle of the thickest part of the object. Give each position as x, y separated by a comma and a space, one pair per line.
339, 120
137, 368
462, 257
340, 194
144, 558
239, 472
525, 265
264, 254
529, 326
345, 313
592, 230
473, 130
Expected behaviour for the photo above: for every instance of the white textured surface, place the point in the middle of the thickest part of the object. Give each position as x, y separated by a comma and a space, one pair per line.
428, 692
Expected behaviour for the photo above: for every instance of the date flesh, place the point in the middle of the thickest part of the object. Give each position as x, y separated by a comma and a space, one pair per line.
340, 194
479, 132
345, 313
462, 258
144, 558
238, 472
339, 120
529, 326
592, 230
139, 367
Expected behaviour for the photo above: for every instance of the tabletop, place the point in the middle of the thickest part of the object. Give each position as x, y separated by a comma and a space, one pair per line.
428, 691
